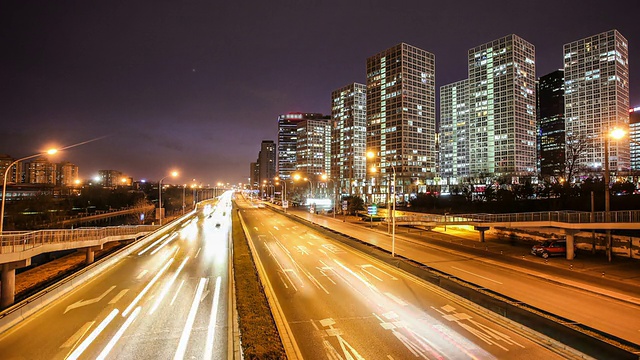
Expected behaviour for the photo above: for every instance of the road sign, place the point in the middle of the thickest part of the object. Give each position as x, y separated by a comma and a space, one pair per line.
345, 204
372, 210
285, 204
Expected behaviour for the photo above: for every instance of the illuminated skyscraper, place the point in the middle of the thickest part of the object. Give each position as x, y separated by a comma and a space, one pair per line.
502, 131
313, 149
596, 81
551, 134
287, 141
401, 120
349, 138
267, 162
454, 133
634, 136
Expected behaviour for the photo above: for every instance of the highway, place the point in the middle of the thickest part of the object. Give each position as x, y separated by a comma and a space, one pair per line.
168, 300
341, 304
575, 302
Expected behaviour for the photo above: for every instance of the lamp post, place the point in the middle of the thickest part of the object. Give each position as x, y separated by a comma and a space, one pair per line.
392, 191
616, 134
184, 190
335, 203
173, 174
4, 185
285, 205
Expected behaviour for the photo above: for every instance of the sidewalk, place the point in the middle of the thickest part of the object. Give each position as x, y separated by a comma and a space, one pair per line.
619, 279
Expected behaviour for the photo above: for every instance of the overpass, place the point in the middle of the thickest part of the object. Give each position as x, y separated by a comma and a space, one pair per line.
18, 247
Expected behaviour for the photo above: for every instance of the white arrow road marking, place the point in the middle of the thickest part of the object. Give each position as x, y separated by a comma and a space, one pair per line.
142, 273
118, 296
78, 335
82, 303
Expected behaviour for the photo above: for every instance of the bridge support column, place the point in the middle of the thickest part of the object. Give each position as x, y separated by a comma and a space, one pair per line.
570, 233
8, 278
90, 254
481, 230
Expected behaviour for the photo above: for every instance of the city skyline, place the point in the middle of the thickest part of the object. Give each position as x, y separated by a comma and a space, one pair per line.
197, 89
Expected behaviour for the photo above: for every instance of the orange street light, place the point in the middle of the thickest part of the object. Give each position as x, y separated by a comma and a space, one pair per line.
173, 174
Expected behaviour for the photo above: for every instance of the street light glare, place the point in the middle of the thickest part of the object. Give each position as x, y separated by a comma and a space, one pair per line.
52, 151
174, 173
617, 133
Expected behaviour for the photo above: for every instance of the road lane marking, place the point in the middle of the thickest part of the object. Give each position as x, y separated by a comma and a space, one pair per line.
94, 334
142, 274
480, 276
166, 288
152, 245
211, 331
146, 288
78, 335
380, 270
82, 303
118, 296
176, 294
186, 332
396, 299
275, 227
198, 252
118, 335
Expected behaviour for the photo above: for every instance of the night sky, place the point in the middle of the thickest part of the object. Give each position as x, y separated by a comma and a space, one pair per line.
196, 85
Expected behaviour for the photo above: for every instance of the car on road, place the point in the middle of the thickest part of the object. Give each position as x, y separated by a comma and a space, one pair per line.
550, 248
217, 225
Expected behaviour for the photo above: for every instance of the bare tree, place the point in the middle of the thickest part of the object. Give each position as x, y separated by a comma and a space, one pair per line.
576, 145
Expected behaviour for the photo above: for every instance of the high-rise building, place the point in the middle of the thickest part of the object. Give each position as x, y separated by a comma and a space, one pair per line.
110, 178
634, 137
401, 121
287, 141
41, 171
502, 131
5, 161
551, 134
67, 174
267, 162
454, 133
596, 81
349, 138
254, 175
313, 148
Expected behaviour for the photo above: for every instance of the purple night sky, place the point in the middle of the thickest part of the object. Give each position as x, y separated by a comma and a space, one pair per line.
196, 85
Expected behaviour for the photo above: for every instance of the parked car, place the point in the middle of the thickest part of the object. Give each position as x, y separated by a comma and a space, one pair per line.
550, 248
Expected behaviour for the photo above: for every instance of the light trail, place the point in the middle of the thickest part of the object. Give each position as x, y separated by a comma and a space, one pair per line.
146, 288
118, 335
186, 332
94, 334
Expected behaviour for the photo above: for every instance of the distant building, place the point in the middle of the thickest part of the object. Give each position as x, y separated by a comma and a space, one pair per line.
254, 175
349, 138
67, 174
502, 131
551, 134
110, 178
313, 147
287, 141
5, 161
634, 136
41, 171
401, 121
453, 139
596, 82
267, 162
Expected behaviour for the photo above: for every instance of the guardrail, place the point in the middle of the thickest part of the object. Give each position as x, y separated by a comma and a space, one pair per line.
574, 217
11, 242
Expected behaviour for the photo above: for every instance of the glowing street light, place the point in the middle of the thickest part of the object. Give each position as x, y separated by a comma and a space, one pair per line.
615, 134
173, 174
6, 174
392, 196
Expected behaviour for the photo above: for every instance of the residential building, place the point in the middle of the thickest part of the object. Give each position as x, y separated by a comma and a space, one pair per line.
67, 174
313, 147
41, 171
287, 141
596, 81
5, 161
551, 134
110, 178
453, 138
502, 131
401, 122
634, 137
349, 138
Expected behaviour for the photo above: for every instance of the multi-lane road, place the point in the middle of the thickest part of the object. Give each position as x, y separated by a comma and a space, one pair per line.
167, 300
337, 303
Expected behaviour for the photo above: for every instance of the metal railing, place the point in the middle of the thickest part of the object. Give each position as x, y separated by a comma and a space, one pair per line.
574, 217
11, 242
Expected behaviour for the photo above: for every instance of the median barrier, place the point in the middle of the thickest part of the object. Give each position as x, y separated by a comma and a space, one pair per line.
580, 337
27, 307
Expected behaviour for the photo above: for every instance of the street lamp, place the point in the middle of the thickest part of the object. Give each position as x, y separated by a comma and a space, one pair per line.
298, 177
173, 174
6, 173
285, 205
615, 134
392, 192
326, 179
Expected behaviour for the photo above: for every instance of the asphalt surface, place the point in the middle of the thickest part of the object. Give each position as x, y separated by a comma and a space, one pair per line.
341, 304
588, 289
169, 300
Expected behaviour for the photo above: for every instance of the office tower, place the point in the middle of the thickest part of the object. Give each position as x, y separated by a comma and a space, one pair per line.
454, 134
287, 141
313, 147
634, 137
267, 162
596, 82
502, 131
349, 138
551, 134
401, 121
67, 174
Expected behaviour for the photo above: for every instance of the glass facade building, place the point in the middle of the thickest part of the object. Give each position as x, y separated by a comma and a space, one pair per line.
454, 133
287, 141
551, 132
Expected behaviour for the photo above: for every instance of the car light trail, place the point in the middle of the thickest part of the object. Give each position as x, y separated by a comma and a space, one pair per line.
146, 288
152, 245
165, 290
208, 352
118, 335
175, 235
94, 334
186, 332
